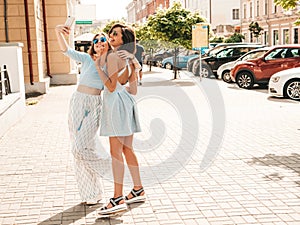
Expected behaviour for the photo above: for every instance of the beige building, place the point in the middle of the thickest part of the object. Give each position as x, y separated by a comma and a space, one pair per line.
32, 23
278, 24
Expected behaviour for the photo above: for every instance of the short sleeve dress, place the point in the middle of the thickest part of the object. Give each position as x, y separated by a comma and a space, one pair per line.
119, 116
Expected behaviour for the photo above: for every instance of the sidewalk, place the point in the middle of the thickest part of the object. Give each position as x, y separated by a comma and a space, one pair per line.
202, 162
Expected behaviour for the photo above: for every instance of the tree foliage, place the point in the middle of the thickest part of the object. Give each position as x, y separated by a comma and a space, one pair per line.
173, 25
255, 29
235, 38
288, 5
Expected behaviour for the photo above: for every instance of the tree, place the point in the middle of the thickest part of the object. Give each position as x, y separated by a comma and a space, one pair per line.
174, 27
235, 38
255, 29
288, 5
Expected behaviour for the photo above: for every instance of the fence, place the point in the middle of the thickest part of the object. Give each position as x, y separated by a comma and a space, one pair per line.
4, 82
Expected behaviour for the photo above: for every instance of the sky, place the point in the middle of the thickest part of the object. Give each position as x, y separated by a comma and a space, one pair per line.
109, 9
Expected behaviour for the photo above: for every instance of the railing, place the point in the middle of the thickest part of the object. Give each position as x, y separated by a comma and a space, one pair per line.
4, 82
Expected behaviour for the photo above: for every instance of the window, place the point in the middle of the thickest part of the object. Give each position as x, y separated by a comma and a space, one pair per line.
245, 11
266, 37
275, 37
251, 9
286, 36
266, 7
257, 8
296, 33
236, 14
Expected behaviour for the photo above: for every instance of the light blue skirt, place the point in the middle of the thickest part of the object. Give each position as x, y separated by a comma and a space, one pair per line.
119, 116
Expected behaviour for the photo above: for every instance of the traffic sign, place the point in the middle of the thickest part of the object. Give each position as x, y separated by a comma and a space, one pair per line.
200, 34
84, 22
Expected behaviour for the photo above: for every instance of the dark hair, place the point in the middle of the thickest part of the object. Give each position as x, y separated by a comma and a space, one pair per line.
128, 37
91, 50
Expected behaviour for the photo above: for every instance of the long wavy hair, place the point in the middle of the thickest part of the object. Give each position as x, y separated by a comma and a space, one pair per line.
128, 37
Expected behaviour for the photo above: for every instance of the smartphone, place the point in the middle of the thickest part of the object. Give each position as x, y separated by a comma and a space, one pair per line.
70, 20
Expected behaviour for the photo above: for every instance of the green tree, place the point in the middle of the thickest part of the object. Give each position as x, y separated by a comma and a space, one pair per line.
173, 27
235, 38
255, 29
288, 4
217, 40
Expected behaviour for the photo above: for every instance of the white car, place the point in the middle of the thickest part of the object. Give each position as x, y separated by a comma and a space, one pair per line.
285, 83
224, 70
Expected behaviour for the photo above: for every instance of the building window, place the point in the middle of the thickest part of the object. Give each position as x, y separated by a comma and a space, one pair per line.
286, 36
275, 8
266, 37
257, 8
250, 10
266, 7
245, 11
296, 33
236, 14
275, 37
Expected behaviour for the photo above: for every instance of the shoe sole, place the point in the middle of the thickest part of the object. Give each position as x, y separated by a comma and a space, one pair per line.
136, 200
113, 210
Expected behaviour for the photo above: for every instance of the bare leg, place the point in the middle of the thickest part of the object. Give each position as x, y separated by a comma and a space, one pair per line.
132, 163
116, 146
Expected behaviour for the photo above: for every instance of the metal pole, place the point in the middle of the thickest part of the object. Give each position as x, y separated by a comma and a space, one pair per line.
6, 21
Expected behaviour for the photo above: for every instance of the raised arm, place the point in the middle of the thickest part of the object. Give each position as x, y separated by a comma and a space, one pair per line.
60, 31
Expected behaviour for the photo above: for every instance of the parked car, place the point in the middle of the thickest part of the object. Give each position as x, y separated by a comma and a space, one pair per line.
211, 63
160, 55
214, 48
286, 84
224, 71
182, 59
259, 71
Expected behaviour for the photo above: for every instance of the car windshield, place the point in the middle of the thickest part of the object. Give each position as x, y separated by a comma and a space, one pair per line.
253, 55
225, 53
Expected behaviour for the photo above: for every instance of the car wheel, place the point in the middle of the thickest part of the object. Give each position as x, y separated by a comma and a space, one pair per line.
158, 62
195, 69
168, 66
292, 89
245, 80
205, 71
226, 76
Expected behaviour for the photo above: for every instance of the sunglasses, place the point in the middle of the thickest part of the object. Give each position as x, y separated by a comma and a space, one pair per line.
101, 39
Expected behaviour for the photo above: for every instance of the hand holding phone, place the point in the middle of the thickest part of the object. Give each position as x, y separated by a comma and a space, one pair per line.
70, 20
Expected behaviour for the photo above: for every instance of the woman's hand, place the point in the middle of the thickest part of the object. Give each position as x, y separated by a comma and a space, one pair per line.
62, 29
125, 54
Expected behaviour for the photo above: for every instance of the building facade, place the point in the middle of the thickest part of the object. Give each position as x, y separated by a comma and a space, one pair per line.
32, 22
139, 10
277, 23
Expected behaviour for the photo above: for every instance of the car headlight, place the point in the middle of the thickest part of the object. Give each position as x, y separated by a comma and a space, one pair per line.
275, 79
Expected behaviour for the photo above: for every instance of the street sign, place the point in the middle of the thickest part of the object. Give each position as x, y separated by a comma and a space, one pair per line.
84, 22
200, 33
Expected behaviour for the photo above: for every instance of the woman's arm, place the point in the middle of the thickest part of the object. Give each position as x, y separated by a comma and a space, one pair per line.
132, 88
110, 79
127, 55
60, 31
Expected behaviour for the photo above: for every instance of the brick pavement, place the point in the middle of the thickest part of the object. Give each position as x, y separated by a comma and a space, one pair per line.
250, 174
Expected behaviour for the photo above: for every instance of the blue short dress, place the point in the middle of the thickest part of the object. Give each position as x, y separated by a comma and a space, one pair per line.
119, 116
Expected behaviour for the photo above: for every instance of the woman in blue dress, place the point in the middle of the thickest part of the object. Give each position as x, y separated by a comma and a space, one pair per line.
119, 118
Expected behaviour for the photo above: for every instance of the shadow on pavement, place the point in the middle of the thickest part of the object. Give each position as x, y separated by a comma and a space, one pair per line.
71, 215
291, 162
181, 83
281, 99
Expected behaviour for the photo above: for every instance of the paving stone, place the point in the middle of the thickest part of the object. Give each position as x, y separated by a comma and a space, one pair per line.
253, 178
